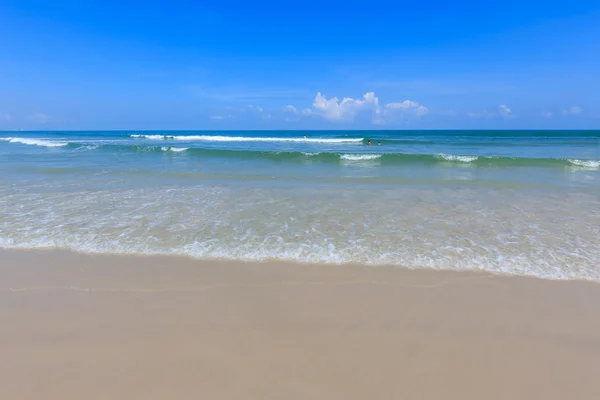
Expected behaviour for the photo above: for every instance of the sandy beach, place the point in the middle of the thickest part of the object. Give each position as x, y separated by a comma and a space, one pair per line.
78, 326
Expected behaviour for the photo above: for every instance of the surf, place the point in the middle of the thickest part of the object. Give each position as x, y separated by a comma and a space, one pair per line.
35, 142
211, 138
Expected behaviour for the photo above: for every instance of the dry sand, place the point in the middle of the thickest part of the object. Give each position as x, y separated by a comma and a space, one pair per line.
76, 326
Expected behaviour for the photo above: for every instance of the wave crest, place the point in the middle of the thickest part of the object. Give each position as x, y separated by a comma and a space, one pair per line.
586, 163
210, 138
34, 142
360, 157
174, 149
453, 157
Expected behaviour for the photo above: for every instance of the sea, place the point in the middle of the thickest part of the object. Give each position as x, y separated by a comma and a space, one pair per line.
506, 202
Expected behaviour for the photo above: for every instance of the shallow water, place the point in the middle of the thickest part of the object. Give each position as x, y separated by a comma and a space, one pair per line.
524, 203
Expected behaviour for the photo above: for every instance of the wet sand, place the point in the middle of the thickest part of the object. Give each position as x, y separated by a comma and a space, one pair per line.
76, 326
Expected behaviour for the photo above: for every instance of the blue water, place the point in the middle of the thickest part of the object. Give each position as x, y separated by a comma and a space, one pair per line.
519, 202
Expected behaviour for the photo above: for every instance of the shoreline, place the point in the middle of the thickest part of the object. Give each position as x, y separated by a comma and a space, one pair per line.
184, 259
108, 326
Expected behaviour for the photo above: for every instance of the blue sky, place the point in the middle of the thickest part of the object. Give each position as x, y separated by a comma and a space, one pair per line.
304, 65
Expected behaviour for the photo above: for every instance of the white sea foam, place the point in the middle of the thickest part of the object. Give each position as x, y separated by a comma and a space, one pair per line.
452, 157
35, 142
471, 229
210, 138
87, 147
311, 154
360, 157
586, 163
174, 149
152, 137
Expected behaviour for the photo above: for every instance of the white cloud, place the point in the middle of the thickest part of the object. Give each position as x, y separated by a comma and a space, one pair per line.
408, 106
347, 108
294, 110
574, 111
405, 105
421, 111
505, 111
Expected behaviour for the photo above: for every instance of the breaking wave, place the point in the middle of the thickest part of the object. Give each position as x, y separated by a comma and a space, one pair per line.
35, 142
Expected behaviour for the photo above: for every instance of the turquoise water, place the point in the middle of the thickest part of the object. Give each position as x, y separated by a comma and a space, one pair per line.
519, 202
